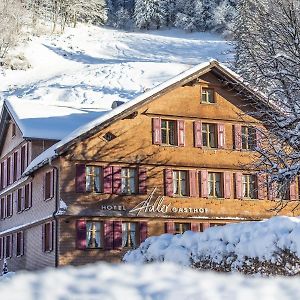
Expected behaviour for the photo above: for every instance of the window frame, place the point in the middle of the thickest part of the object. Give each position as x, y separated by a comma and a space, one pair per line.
50, 194
206, 101
9, 200
13, 130
2, 208
8, 246
214, 181
167, 130
93, 175
20, 243
48, 238
248, 138
181, 227
127, 178
206, 141
101, 235
248, 182
129, 243
179, 180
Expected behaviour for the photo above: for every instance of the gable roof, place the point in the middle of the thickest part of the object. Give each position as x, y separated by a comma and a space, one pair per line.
127, 108
39, 120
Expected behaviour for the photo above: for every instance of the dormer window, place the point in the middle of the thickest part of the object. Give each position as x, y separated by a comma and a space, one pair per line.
207, 95
13, 130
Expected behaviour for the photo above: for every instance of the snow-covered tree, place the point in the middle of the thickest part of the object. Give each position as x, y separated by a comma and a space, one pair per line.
267, 46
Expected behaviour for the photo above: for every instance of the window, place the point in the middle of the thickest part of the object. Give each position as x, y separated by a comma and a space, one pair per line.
209, 135
128, 181
13, 129
94, 235
8, 246
248, 138
27, 196
93, 179
182, 227
129, 235
23, 158
48, 237
249, 186
20, 243
215, 186
8, 170
2, 208
207, 95
9, 208
180, 183
48, 185
168, 132
15, 164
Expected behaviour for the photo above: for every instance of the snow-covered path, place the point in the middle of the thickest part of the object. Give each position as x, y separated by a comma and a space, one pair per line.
92, 66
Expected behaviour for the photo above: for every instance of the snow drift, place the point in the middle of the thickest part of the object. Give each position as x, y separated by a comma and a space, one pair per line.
149, 282
266, 247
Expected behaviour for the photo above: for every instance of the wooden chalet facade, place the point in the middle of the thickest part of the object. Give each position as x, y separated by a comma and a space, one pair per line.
169, 161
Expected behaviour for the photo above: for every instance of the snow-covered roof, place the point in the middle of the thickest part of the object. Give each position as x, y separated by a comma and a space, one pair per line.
37, 119
187, 75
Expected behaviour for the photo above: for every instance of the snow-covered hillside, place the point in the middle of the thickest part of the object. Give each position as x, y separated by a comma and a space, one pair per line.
149, 282
94, 66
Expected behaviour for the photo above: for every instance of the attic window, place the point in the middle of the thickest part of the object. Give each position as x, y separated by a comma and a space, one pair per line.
109, 136
13, 129
207, 95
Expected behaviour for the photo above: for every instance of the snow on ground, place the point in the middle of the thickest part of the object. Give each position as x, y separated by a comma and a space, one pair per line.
149, 282
232, 243
94, 66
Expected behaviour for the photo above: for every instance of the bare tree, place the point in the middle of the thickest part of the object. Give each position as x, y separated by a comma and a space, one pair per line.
267, 47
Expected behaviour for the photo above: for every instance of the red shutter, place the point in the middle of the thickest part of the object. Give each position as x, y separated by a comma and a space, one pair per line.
22, 243
43, 237
107, 180
169, 182
108, 234
29, 194
5, 174
205, 226
293, 191
195, 227
204, 187
12, 164
221, 136
194, 192
142, 181
117, 180
52, 184
80, 178
198, 134
227, 185
26, 156
11, 245
1, 247
238, 185
80, 234
156, 131
260, 186
19, 164
51, 236
272, 189
181, 133
170, 227
117, 243
143, 231
11, 204
22, 198
29, 158
238, 137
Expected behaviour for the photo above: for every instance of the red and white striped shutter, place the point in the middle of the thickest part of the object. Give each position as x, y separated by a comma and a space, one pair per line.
204, 185
221, 136
117, 241
238, 185
198, 134
170, 227
272, 191
117, 180
142, 180
169, 182
293, 191
194, 192
143, 231
205, 226
107, 180
181, 133
261, 186
195, 227
22, 198
26, 155
81, 234
156, 131
238, 137
227, 185
108, 235
11, 203
258, 136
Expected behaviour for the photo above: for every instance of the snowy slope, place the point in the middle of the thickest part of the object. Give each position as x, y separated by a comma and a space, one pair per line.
233, 244
91, 66
150, 282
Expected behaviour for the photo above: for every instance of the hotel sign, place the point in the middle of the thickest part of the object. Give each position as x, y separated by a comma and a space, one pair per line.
155, 205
